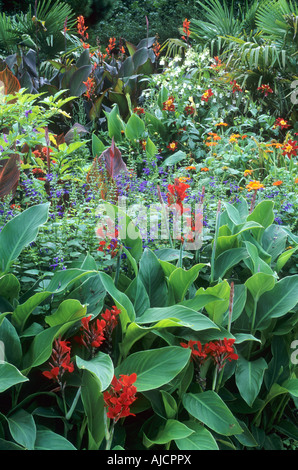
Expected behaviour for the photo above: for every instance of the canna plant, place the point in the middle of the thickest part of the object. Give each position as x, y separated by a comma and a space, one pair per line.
189, 365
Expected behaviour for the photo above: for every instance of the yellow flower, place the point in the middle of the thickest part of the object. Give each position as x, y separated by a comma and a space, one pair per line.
221, 124
254, 185
248, 172
183, 179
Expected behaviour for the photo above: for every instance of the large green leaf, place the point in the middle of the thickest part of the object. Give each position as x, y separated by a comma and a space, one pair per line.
9, 287
41, 347
200, 439
115, 124
101, 367
94, 409
23, 429
260, 283
154, 367
278, 301
183, 316
10, 376
211, 410
181, 280
59, 282
50, 440
249, 378
153, 278
217, 308
172, 430
122, 301
68, 310
19, 232
227, 260
135, 127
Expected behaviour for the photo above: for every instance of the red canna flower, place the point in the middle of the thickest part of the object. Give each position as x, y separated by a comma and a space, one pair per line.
111, 319
120, 396
177, 193
221, 351
208, 93
92, 335
197, 351
265, 89
60, 362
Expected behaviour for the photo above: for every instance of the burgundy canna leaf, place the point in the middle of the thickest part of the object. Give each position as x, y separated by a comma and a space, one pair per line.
9, 175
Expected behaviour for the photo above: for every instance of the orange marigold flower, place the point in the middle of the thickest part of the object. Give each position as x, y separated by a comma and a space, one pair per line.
224, 124
191, 168
211, 144
277, 183
183, 179
296, 180
205, 169
254, 186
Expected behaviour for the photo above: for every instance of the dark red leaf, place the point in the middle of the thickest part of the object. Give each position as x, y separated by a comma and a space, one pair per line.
9, 175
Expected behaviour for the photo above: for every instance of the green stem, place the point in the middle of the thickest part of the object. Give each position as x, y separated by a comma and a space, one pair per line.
109, 433
215, 242
214, 379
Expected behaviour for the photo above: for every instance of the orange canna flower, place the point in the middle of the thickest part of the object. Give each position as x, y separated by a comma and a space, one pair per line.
186, 30
90, 85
